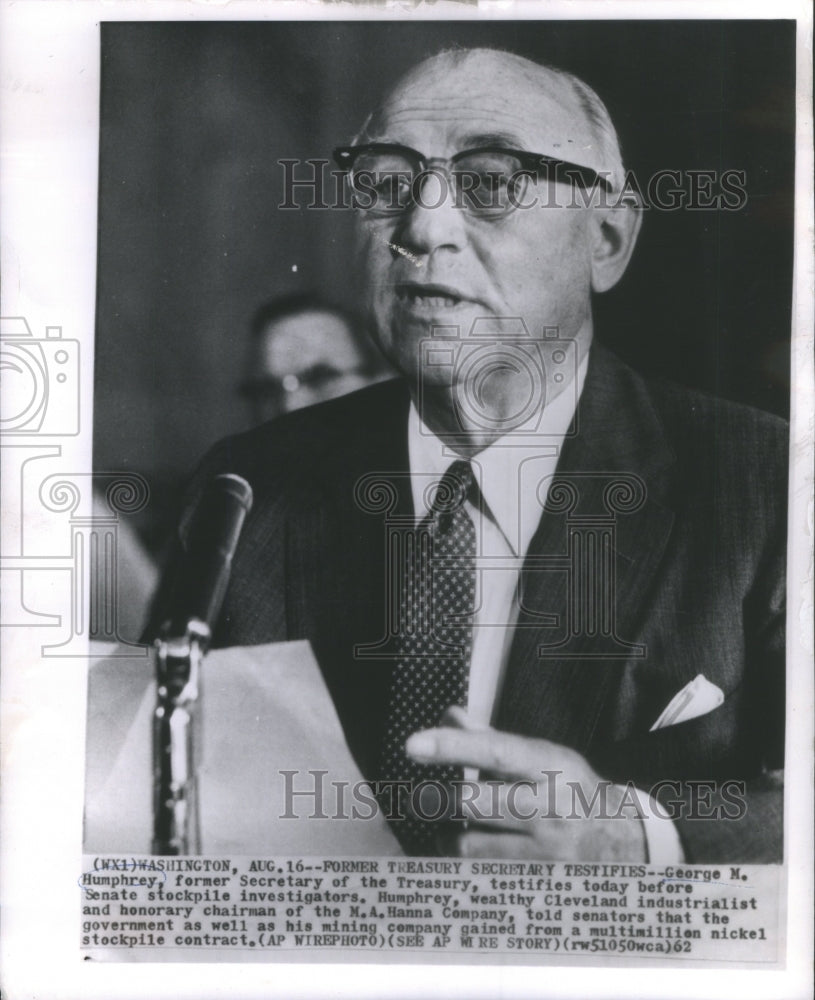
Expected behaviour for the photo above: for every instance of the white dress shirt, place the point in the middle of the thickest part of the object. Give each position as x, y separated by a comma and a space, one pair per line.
513, 475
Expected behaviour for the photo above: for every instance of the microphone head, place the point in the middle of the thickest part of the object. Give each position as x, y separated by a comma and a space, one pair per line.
217, 518
209, 537
235, 486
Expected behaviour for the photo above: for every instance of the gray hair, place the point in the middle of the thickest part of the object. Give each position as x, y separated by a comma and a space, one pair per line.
601, 125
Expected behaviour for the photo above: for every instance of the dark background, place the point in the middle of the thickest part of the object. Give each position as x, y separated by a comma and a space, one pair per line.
194, 118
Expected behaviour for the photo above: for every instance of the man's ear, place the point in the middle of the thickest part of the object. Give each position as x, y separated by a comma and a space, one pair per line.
615, 234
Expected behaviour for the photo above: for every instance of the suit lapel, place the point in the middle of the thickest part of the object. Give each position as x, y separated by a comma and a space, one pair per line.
608, 513
339, 533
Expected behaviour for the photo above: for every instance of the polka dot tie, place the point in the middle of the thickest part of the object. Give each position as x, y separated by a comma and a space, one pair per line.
437, 600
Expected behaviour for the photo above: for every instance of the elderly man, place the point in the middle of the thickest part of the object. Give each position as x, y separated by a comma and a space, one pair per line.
525, 570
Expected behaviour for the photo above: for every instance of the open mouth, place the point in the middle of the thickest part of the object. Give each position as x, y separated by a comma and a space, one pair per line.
429, 296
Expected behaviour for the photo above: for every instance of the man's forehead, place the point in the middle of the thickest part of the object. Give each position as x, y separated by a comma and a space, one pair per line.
308, 323
457, 101
299, 340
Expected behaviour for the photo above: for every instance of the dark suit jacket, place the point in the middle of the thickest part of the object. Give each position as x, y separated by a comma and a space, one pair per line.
698, 543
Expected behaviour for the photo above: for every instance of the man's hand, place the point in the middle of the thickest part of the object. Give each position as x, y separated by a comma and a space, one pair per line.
535, 799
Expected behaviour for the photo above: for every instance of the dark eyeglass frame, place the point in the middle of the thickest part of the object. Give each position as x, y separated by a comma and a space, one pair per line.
532, 164
269, 386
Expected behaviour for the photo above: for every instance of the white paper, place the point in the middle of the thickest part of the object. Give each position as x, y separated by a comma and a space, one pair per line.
264, 710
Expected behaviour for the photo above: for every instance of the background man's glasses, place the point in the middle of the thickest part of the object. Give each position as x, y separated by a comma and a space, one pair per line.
488, 182
315, 378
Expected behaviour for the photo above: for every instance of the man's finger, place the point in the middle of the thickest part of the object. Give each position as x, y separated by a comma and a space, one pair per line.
505, 754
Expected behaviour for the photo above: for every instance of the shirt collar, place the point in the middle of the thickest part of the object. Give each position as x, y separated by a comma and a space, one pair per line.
509, 471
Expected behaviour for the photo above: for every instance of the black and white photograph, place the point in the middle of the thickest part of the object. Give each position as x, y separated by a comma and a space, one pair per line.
608, 418
433, 510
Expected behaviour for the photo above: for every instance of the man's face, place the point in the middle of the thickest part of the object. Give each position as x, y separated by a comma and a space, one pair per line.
301, 360
441, 266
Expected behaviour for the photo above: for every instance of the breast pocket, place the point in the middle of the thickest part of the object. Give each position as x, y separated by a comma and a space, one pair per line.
718, 745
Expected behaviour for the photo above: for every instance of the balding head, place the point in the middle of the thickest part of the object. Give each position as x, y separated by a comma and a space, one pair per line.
553, 102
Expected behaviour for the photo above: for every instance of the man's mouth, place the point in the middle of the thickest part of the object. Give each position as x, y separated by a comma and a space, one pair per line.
416, 296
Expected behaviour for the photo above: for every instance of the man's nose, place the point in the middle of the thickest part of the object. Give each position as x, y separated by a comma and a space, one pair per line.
433, 221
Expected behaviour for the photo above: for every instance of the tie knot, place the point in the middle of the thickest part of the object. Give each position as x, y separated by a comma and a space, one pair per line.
455, 486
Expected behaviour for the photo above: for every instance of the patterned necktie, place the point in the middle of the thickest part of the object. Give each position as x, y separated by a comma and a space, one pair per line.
437, 600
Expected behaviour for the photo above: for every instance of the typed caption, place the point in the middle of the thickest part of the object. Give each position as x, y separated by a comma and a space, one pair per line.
264, 909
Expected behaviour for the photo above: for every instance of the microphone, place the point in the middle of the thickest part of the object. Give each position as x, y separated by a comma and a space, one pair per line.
209, 537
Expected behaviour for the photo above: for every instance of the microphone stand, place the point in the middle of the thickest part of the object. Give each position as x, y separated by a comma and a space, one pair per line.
176, 737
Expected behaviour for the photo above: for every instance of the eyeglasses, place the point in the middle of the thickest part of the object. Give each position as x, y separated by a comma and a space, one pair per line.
490, 181
316, 377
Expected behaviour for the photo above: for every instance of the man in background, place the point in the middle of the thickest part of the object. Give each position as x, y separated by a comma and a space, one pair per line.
305, 350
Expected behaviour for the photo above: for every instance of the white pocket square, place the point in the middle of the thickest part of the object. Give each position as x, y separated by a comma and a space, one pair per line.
698, 697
